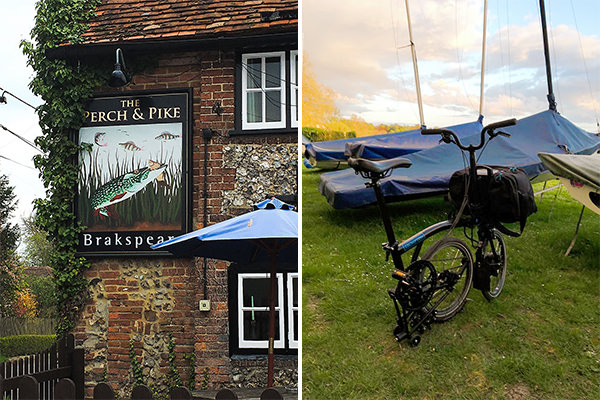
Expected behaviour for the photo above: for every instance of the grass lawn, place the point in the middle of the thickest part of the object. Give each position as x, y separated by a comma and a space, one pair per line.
539, 340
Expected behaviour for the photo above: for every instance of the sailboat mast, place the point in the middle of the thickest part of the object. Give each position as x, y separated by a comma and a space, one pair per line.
551, 99
415, 67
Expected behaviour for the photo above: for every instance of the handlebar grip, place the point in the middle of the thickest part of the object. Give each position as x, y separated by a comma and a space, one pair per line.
432, 131
501, 124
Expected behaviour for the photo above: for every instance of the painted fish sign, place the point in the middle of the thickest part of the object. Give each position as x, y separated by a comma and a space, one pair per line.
124, 186
133, 180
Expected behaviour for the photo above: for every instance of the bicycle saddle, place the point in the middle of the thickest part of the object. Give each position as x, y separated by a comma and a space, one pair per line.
378, 167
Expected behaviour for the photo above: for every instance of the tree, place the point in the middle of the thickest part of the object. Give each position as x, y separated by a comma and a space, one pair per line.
9, 233
11, 283
37, 247
318, 108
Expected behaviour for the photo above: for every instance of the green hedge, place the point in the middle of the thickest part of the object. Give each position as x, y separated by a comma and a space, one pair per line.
318, 134
11, 346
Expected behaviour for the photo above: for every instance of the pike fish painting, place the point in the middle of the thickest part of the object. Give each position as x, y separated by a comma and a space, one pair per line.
129, 180
125, 186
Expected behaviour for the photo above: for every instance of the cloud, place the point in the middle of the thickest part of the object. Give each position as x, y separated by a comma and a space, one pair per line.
352, 45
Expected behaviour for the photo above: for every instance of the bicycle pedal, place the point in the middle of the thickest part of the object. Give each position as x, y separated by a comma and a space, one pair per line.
401, 336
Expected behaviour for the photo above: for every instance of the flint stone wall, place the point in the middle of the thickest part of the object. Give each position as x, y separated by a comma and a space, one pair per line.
260, 170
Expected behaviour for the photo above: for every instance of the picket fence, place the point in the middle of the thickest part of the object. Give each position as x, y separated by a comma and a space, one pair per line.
37, 376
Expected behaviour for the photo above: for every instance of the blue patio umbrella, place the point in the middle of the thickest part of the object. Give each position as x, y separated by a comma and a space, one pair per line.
267, 234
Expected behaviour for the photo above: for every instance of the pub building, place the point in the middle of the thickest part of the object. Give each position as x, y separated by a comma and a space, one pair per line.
197, 122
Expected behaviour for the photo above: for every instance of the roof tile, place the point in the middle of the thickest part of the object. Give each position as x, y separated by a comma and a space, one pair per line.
123, 20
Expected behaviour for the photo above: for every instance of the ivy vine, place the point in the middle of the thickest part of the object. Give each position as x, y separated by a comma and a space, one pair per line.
63, 86
174, 378
136, 365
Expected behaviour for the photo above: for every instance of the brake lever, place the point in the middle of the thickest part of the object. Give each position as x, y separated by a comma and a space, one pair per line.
505, 134
446, 138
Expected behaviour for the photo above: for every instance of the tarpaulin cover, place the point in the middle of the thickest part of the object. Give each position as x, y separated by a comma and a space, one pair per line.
431, 169
581, 168
384, 146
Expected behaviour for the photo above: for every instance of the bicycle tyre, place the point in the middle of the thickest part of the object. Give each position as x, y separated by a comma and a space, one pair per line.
496, 282
440, 252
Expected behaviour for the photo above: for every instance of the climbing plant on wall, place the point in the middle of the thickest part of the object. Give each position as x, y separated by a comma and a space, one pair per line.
63, 86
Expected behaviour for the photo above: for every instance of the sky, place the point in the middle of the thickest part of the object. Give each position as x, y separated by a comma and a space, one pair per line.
359, 50
356, 48
15, 75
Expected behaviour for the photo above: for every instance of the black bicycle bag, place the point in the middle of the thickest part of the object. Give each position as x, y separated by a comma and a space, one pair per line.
458, 185
502, 193
511, 198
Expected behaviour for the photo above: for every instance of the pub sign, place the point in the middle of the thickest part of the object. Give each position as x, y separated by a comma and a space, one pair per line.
133, 171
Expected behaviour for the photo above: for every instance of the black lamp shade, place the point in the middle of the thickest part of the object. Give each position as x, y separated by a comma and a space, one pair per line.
118, 77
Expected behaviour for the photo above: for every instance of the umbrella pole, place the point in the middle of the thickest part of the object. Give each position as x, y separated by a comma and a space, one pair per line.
270, 357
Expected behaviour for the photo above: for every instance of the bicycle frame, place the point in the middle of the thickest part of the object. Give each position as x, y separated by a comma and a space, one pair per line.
392, 247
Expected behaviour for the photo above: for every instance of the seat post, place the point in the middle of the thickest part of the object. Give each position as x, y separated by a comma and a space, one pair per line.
385, 216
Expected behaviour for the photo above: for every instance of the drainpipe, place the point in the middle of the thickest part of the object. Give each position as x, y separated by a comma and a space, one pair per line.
207, 135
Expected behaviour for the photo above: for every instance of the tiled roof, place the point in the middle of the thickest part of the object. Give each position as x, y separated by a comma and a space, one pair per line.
130, 20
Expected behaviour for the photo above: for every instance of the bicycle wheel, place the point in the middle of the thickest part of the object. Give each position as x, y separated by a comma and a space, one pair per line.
453, 263
494, 256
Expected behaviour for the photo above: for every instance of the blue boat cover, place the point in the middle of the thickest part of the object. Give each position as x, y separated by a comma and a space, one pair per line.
431, 169
383, 146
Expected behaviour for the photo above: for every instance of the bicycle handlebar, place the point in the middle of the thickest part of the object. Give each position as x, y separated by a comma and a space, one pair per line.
501, 124
448, 136
432, 131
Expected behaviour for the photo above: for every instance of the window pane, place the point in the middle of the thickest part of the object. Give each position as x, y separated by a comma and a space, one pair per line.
295, 292
256, 325
295, 325
256, 292
273, 75
295, 105
295, 69
254, 107
253, 67
273, 105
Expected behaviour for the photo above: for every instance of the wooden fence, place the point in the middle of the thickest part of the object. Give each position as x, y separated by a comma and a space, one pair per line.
37, 376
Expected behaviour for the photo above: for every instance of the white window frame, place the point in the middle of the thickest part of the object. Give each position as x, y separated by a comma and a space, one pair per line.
245, 90
260, 344
291, 308
294, 96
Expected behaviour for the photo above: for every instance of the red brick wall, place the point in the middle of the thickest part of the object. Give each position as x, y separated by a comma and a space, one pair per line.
145, 299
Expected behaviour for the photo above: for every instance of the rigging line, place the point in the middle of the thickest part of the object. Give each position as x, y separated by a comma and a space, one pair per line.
510, 101
401, 83
16, 162
415, 66
22, 138
481, 88
553, 59
459, 57
585, 67
502, 63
